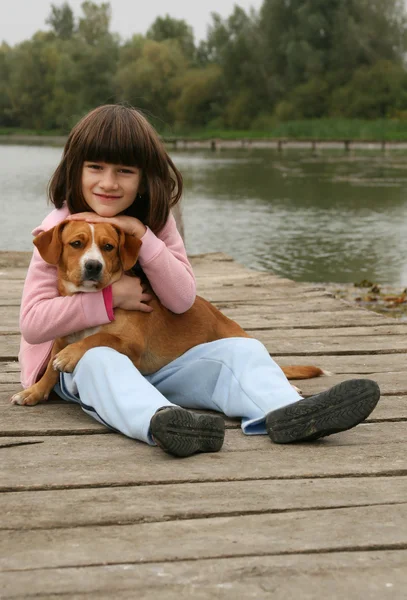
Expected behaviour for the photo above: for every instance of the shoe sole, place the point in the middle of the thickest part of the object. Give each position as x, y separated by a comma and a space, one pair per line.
338, 409
183, 433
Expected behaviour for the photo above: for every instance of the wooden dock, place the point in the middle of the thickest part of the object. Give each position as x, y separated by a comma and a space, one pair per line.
86, 513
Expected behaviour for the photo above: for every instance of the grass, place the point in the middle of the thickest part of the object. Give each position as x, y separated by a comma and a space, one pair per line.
311, 129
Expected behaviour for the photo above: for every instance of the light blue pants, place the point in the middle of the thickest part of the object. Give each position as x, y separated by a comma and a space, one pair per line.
235, 376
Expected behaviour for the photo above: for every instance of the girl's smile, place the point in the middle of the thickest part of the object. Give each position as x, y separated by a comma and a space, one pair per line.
109, 189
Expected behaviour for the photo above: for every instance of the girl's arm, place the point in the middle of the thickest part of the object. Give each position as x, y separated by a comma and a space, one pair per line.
165, 263
45, 315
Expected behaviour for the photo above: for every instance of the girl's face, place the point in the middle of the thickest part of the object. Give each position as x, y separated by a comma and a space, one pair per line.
109, 189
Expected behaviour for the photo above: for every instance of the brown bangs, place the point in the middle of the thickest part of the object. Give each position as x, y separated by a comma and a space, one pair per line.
112, 136
120, 135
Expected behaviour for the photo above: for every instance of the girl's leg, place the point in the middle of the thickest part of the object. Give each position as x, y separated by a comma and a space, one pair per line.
235, 376
110, 389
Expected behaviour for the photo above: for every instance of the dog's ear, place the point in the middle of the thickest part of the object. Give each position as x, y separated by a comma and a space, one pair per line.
49, 243
129, 248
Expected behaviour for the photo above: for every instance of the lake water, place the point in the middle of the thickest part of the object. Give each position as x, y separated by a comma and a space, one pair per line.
326, 218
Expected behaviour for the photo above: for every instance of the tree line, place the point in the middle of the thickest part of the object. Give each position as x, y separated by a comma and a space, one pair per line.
292, 59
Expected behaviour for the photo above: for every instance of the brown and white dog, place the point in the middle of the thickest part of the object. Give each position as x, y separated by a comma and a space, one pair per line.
90, 257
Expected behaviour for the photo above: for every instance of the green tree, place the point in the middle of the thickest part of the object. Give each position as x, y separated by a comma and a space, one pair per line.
148, 81
67, 101
131, 50
198, 98
233, 44
167, 28
61, 19
31, 79
94, 25
373, 92
7, 117
95, 68
313, 40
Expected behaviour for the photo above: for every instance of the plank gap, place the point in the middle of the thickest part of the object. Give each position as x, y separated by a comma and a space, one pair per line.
200, 517
337, 550
42, 488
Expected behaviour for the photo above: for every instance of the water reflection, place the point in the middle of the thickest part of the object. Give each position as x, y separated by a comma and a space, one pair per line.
331, 217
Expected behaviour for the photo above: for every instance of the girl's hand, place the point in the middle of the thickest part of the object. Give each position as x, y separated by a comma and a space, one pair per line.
130, 294
129, 225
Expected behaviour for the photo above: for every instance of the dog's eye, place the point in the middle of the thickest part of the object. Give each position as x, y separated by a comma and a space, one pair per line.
76, 244
108, 247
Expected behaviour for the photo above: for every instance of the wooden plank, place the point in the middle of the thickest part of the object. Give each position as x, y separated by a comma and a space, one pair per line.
8, 388
390, 383
205, 265
277, 305
342, 529
284, 306
11, 366
52, 418
141, 504
9, 317
261, 316
206, 262
260, 294
392, 329
9, 376
264, 317
284, 343
251, 284
12, 292
365, 364
65, 419
12, 274
14, 260
230, 278
62, 417
254, 321
336, 364
325, 345
337, 575
248, 278
9, 346
72, 461
55, 417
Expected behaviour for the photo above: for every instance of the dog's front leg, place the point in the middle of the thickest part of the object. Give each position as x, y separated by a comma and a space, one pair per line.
68, 358
40, 391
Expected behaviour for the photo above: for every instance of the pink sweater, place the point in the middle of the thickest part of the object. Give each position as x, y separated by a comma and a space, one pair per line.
45, 315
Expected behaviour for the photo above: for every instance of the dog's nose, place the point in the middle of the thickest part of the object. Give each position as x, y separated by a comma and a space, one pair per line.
93, 268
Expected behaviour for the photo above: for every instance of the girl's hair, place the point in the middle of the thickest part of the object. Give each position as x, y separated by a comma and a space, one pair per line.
121, 135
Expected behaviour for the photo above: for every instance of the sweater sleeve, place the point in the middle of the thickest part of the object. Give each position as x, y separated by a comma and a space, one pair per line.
163, 259
45, 315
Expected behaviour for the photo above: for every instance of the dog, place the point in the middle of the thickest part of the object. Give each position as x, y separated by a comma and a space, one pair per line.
90, 257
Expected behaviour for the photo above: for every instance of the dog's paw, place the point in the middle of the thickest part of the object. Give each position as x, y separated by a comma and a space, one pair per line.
28, 397
66, 360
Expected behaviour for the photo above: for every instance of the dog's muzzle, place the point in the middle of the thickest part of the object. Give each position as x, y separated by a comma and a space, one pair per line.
92, 270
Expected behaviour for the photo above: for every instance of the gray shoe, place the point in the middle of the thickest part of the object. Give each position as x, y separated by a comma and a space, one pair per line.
181, 432
337, 409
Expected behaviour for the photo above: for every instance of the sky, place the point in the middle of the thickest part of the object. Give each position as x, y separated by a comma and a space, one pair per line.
20, 19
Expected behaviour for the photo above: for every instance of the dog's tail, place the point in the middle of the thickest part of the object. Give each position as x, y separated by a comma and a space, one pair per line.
303, 372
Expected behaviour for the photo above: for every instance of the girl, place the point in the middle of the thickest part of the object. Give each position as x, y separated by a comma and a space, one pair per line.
115, 169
